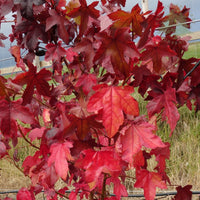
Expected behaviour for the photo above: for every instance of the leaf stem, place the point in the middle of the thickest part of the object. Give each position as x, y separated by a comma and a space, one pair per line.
103, 194
61, 194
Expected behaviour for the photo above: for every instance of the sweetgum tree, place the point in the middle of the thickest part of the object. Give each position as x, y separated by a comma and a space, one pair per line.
81, 112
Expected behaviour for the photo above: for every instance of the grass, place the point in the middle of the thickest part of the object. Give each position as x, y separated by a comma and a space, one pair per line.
193, 51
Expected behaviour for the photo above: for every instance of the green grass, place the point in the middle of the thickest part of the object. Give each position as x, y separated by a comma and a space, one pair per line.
193, 51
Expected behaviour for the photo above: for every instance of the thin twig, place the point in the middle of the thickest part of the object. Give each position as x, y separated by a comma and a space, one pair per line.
27, 139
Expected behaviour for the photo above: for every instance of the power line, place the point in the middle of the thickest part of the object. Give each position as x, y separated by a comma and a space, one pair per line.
173, 25
5, 59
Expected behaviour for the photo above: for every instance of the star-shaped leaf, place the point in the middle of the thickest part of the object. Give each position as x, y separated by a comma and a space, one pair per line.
60, 154
165, 101
125, 19
139, 134
113, 101
149, 181
117, 48
84, 11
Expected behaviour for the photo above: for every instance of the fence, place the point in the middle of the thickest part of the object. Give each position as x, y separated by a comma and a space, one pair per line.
137, 196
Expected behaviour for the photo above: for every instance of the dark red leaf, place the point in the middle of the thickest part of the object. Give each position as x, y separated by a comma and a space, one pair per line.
125, 19
84, 11
2, 37
155, 51
34, 80
61, 22
10, 112
27, 7
183, 193
115, 51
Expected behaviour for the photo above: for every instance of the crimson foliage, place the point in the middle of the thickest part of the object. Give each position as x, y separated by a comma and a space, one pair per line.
81, 110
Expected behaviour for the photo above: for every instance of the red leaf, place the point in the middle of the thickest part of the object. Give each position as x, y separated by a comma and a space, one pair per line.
178, 16
36, 133
87, 81
119, 2
155, 52
61, 22
161, 153
27, 7
116, 49
96, 162
34, 79
149, 181
72, 195
3, 150
125, 19
119, 188
60, 154
140, 133
85, 12
165, 101
25, 194
55, 52
9, 113
113, 101
183, 193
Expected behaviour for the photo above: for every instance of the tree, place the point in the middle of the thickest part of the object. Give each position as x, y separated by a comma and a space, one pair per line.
81, 111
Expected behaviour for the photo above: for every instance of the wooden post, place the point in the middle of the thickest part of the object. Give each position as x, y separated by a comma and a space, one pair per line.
145, 6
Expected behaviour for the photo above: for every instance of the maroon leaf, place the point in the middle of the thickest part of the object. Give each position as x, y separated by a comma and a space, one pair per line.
2, 37
155, 52
116, 49
27, 7
34, 80
183, 193
84, 11
61, 22
9, 113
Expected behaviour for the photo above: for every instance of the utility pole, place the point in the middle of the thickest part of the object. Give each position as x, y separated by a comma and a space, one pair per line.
145, 6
